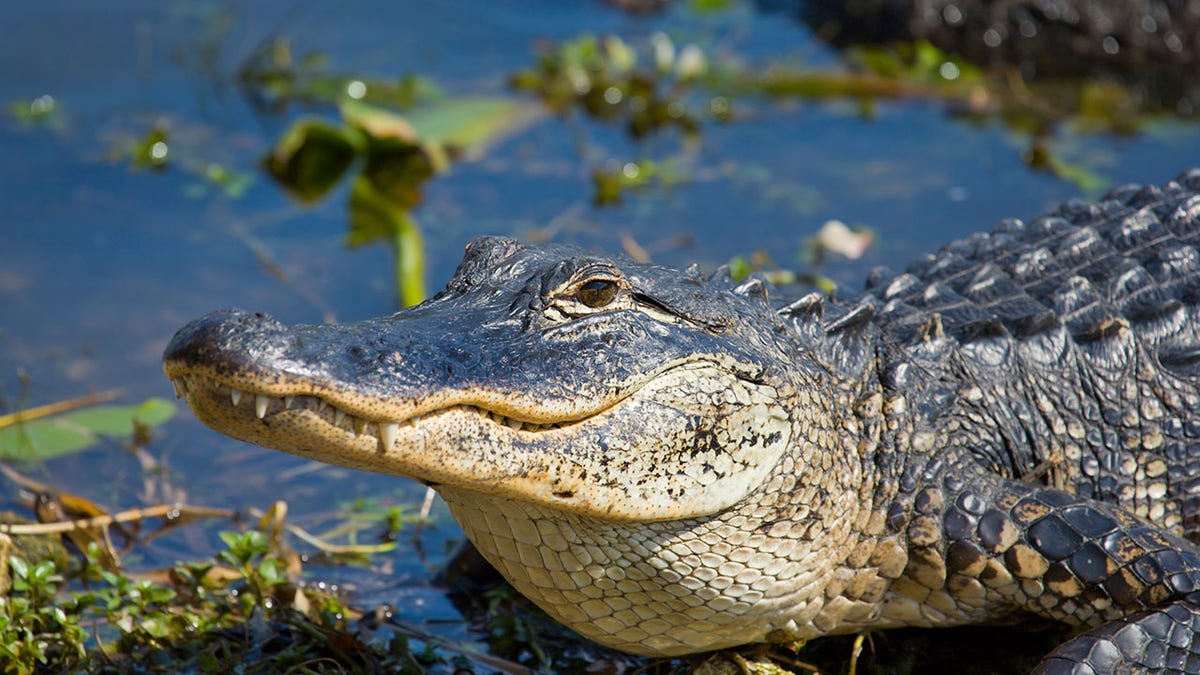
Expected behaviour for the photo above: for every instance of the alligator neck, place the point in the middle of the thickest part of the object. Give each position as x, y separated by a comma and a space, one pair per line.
776, 565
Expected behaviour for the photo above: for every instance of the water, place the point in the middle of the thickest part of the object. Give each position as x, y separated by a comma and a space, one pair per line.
101, 263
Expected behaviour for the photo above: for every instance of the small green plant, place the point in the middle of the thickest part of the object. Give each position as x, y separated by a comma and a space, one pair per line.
249, 554
35, 631
242, 610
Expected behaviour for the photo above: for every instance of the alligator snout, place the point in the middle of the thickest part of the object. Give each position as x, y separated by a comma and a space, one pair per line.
231, 337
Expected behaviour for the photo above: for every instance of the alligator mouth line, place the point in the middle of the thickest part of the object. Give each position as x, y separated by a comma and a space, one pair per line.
385, 430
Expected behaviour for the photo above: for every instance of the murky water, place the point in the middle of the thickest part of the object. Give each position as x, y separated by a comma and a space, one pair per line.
100, 262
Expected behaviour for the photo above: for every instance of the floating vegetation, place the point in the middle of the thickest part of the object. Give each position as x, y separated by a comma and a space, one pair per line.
151, 151
612, 180
59, 429
610, 81
390, 157
833, 238
273, 78
43, 111
662, 87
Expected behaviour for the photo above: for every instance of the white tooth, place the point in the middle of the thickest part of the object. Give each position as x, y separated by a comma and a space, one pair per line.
530, 426
235, 395
179, 388
287, 401
359, 424
514, 424
260, 405
322, 406
387, 435
338, 416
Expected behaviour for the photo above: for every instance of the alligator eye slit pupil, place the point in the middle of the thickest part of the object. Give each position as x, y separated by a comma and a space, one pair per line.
597, 292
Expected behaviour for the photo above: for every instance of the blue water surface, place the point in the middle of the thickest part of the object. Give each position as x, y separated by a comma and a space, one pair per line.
100, 263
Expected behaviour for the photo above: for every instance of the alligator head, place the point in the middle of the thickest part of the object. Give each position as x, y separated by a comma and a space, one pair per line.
612, 410
588, 384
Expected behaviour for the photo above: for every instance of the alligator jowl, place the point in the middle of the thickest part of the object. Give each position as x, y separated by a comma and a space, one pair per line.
672, 463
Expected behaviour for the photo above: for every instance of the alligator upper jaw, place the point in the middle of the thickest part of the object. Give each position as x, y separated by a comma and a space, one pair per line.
218, 401
438, 446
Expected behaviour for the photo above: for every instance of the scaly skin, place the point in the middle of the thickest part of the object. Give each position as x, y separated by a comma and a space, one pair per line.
1041, 37
672, 464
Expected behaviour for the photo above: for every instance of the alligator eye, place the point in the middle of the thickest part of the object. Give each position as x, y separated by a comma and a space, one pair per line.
597, 292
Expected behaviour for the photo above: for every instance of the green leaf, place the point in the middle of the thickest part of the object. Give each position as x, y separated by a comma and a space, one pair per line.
397, 171
372, 216
378, 123
458, 123
20, 568
156, 626
375, 216
39, 440
118, 420
311, 157
468, 122
63, 434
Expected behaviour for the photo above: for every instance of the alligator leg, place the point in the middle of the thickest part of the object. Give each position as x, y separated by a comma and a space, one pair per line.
1064, 557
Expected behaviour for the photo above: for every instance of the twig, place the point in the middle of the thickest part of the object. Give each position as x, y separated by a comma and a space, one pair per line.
171, 511
325, 546
466, 649
58, 407
633, 249
276, 270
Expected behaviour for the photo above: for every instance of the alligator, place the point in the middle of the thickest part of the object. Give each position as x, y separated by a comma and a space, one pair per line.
1042, 37
669, 462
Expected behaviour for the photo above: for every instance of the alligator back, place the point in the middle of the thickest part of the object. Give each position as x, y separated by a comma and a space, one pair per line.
1067, 348
1044, 37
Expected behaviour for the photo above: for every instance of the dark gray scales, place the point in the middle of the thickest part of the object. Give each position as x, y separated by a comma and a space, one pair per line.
1041, 37
1058, 358
1067, 344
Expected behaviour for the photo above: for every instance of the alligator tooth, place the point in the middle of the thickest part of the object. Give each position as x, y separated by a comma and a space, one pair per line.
387, 435
180, 387
260, 405
359, 424
235, 395
322, 406
530, 426
287, 401
514, 424
338, 416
